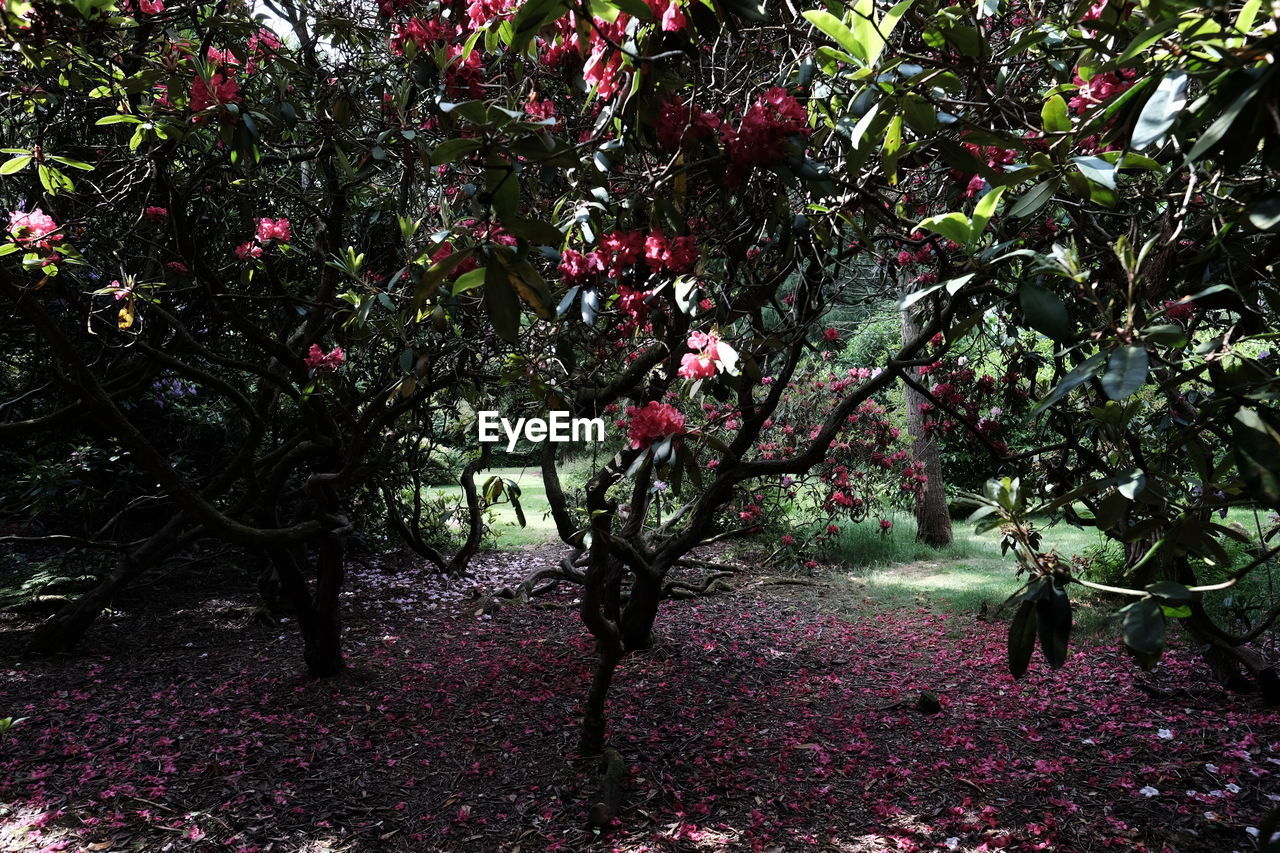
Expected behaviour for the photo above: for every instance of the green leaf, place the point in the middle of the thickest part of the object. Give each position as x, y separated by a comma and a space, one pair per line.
534, 230
953, 226
1053, 623
1126, 371
501, 302
1142, 626
17, 164
1083, 372
469, 280
1045, 312
1022, 638
533, 16
1055, 116
1255, 442
835, 29
73, 163
1130, 483
1170, 592
1216, 131
1264, 213
885, 28
1097, 170
117, 119
453, 149
982, 214
1168, 334
1161, 110
1034, 199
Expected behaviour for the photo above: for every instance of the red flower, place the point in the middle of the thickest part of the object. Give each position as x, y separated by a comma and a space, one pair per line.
1179, 309
679, 122
831, 334
318, 359
220, 89
156, 214
653, 422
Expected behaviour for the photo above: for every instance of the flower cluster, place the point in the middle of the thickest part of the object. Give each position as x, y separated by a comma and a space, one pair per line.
1099, 88
34, 230
764, 134
317, 359
680, 122
705, 361
653, 422
221, 87
268, 231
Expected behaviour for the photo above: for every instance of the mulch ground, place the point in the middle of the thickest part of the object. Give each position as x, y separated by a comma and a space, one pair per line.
773, 718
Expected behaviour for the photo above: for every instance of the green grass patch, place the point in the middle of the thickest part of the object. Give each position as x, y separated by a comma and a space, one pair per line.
895, 571
505, 530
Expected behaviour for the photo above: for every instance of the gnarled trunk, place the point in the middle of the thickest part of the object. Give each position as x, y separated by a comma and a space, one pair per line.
636, 623
64, 629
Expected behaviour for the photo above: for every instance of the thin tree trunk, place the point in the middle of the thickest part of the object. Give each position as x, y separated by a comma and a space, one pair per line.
636, 623
933, 519
64, 629
593, 717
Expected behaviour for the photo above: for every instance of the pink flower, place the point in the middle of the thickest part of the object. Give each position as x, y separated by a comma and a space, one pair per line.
697, 366
318, 359
653, 422
119, 291
248, 249
671, 16
156, 214
177, 268
220, 89
33, 230
885, 524
831, 334
705, 361
274, 229
602, 71
763, 136
576, 267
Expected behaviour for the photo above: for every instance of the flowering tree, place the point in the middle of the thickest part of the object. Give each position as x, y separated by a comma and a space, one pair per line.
651, 207
201, 213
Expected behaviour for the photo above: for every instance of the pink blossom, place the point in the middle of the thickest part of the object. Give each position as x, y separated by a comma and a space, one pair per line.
318, 359
697, 366
652, 422
274, 229
221, 89
156, 214
33, 230
248, 249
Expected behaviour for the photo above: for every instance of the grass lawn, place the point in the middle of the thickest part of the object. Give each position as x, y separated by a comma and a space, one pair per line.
896, 571
507, 533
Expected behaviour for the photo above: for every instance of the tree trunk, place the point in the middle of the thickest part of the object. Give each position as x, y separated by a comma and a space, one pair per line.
593, 718
64, 629
933, 519
319, 620
1234, 667
636, 624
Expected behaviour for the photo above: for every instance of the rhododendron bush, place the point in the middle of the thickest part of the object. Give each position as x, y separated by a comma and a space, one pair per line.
341, 230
